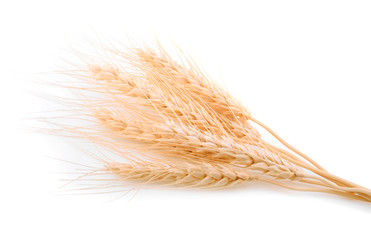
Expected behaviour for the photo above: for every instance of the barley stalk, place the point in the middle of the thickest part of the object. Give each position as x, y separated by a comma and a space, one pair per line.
143, 100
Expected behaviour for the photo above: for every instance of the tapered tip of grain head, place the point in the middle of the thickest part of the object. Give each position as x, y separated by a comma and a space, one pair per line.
106, 73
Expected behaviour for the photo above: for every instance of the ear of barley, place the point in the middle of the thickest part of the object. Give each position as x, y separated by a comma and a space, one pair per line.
200, 175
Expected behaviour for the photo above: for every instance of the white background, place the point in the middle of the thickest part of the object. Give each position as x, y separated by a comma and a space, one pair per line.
302, 67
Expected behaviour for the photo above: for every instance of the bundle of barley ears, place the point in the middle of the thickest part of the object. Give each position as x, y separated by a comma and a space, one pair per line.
172, 126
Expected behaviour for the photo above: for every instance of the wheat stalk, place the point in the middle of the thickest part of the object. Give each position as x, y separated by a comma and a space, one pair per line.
141, 99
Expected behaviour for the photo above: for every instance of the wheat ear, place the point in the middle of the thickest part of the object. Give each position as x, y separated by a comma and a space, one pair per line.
140, 99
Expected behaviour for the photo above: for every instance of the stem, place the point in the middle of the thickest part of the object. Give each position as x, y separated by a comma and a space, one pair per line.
281, 151
333, 191
333, 178
363, 192
342, 184
286, 144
